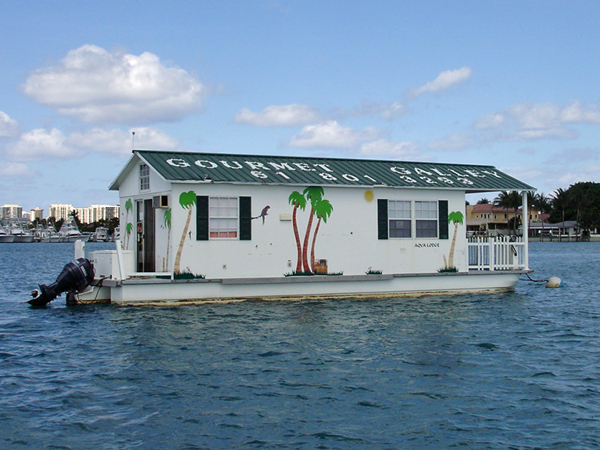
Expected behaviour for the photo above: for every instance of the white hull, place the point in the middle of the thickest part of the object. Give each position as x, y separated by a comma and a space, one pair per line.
140, 291
4, 239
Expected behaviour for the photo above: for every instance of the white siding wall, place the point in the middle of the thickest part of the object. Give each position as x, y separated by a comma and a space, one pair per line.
349, 240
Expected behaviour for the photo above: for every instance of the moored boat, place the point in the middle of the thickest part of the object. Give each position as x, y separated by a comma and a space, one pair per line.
5, 236
69, 232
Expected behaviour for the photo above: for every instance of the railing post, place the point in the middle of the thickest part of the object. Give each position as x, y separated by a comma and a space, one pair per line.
525, 231
492, 241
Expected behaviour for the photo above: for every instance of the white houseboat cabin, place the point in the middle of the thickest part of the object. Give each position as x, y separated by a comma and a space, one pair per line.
202, 227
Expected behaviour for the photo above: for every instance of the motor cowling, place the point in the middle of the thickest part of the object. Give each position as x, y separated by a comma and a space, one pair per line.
75, 277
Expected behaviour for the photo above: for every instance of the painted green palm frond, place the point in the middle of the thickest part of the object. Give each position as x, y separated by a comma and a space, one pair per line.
129, 228
128, 205
455, 217
314, 194
167, 218
187, 199
296, 199
323, 210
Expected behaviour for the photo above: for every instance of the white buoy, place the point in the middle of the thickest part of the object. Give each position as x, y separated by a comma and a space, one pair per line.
553, 282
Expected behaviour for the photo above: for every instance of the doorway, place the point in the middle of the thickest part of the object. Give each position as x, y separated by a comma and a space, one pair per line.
146, 239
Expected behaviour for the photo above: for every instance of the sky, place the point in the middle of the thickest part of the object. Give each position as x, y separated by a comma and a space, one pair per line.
512, 83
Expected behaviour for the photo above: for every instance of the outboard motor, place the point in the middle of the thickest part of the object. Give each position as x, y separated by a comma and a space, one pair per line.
75, 277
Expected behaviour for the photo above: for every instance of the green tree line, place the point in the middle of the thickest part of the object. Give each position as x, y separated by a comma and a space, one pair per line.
580, 202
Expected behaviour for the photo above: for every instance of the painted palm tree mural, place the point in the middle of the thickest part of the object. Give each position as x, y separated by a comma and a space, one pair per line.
313, 194
187, 200
297, 200
128, 224
320, 208
323, 210
456, 218
167, 222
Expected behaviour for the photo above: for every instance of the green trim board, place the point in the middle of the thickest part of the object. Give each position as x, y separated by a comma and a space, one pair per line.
184, 167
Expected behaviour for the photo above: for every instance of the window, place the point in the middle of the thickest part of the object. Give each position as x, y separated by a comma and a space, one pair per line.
223, 217
399, 215
426, 215
144, 177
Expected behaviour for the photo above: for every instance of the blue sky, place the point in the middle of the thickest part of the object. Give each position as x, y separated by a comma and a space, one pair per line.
514, 84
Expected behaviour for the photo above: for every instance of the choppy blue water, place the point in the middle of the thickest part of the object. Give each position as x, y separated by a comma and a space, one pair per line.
519, 370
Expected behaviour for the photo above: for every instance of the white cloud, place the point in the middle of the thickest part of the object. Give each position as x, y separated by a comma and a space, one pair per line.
278, 115
443, 81
98, 86
331, 134
531, 121
388, 148
8, 126
119, 142
41, 144
452, 142
392, 110
15, 170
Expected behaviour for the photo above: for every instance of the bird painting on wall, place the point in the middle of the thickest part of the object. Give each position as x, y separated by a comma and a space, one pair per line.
263, 213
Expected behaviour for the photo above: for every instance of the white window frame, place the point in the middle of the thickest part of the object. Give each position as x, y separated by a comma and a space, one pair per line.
399, 213
426, 219
422, 217
144, 177
223, 218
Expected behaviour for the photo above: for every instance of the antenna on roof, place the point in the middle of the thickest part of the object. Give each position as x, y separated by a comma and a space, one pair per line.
133, 140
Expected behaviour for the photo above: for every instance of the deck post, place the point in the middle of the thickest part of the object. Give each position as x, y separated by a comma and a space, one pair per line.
525, 236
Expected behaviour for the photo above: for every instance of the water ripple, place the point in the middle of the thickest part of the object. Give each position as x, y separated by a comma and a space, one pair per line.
475, 371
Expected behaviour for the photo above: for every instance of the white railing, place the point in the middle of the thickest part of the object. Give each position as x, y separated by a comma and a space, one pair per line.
497, 253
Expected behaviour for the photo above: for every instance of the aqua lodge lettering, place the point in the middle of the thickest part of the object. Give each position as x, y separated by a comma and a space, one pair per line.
277, 171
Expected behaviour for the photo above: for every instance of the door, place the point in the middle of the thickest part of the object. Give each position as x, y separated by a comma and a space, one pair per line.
146, 239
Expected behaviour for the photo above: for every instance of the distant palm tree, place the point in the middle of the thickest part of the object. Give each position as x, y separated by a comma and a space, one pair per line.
509, 201
323, 210
560, 201
186, 200
297, 200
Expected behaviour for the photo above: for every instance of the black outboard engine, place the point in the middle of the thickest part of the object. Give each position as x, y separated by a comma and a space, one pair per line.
75, 277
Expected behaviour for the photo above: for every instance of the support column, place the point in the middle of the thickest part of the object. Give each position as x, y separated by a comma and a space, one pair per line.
525, 217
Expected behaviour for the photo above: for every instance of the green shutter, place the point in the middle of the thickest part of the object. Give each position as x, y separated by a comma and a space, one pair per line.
245, 218
443, 218
382, 218
202, 218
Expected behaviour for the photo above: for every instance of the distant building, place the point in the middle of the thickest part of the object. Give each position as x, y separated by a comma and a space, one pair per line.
96, 213
493, 220
11, 212
36, 213
60, 211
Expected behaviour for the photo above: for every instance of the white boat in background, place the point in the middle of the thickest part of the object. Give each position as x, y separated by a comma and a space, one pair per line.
5, 236
46, 234
21, 235
116, 235
69, 232
100, 235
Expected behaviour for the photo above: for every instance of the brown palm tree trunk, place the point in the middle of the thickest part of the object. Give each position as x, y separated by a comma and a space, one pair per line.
177, 265
297, 236
451, 255
312, 248
307, 267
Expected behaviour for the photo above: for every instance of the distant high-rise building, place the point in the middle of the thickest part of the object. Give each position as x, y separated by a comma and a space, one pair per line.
60, 211
36, 213
11, 212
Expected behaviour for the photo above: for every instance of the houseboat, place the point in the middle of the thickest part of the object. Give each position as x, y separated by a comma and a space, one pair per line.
212, 227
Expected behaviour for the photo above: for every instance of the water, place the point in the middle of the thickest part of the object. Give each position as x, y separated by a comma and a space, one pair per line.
519, 370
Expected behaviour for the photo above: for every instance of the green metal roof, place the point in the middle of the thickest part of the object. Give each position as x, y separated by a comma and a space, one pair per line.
294, 170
